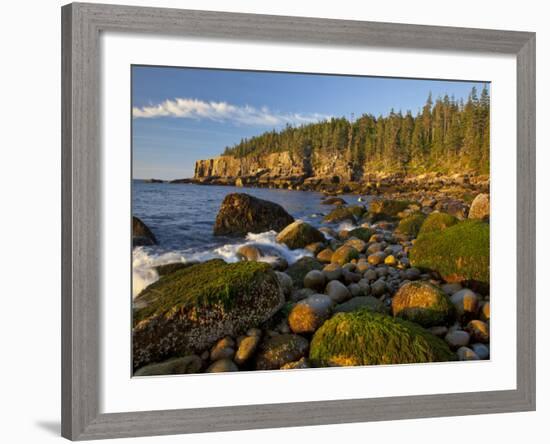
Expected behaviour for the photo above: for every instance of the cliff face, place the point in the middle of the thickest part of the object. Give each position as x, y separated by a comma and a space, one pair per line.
274, 167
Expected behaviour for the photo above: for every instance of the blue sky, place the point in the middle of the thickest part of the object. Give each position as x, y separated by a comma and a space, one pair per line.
184, 114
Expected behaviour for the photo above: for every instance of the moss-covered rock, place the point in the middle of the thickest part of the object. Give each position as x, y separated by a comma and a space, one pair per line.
386, 209
241, 214
299, 234
436, 222
423, 303
458, 253
165, 269
362, 302
344, 254
174, 366
341, 214
298, 270
361, 233
362, 337
188, 310
410, 225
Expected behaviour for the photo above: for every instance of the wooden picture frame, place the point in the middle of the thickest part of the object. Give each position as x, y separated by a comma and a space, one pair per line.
81, 167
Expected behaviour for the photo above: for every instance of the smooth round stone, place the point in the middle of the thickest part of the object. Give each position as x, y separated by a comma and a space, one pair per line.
364, 286
358, 244
325, 255
479, 331
412, 274
481, 350
362, 266
286, 282
466, 354
485, 312
457, 338
465, 302
390, 260
376, 258
223, 349
376, 247
332, 272
355, 290
315, 280
382, 271
439, 330
308, 315
371, 275
452, 288
378, 288
337, 291
302, 293
221, 366
350, 277
246, 349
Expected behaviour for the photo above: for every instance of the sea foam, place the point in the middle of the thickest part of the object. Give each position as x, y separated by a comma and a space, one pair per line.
146, 259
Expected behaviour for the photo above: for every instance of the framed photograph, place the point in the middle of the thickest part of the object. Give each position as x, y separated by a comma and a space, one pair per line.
278, 221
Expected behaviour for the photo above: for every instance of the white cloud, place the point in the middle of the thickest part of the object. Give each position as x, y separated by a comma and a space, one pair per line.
223, 111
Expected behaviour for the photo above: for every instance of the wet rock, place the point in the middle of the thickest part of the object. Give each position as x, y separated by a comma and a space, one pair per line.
299, 234
378, 288
222, 366
376, 258
344, 254
332, 272
223, 349
457, 338
309, 314
481, 350
337, 291
141, 234
315, 280
325, 255
247, 347
479, 331
466, 303
241, 214
279, 350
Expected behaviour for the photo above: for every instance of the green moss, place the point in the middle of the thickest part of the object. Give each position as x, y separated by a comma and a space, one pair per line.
411, 224
437, 222
365, 338
362, 233
424, 304
209, 283
345, 213
388, 207
165, 269
458, 253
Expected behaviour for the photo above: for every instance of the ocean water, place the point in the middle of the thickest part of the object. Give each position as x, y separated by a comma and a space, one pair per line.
182, 218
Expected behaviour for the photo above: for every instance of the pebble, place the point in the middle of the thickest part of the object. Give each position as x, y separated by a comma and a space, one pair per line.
457, 338
246, 349
223, 349
378, 288
376, 258
390, 260
466, 354
465, 302
371, 275
485, 312
479, 330
221, 366
350, 277
315, 280
332, 272
302, 293
325, 255
355, 290
481, 350
337, 291
412, 274
286, 282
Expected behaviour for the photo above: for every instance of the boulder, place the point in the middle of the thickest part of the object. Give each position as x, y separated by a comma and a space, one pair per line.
423, 303
341, 214
175, 366
459, 253
222, 366
480, 208
299, 234
437, 222
275, 352
141, 234
386, 209
362, 337
188, 310
344, 254
362, 233
241, 214
411, 224
262, 253
309, 314
165, 269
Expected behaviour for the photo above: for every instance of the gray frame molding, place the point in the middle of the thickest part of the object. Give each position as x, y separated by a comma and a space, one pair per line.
81, 166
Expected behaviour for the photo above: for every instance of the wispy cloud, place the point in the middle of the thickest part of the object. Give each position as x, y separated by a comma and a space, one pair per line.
186, 108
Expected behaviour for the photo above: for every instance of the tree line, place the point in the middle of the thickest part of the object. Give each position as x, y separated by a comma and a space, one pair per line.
445, 136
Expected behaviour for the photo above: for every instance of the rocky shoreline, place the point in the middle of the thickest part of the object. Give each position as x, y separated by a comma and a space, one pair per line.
409, 283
